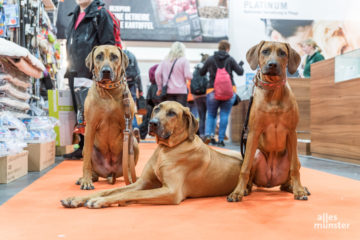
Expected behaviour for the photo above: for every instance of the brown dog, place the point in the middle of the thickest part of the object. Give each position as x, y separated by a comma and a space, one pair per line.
182, 166
104, 115
271, 150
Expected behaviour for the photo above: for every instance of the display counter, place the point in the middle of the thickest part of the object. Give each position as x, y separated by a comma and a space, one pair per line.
335, 108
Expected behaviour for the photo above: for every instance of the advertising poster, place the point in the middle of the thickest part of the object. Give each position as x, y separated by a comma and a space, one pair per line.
162, 20
171, 20
336, 30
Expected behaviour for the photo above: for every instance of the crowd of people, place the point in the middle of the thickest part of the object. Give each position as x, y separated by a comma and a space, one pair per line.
209, 90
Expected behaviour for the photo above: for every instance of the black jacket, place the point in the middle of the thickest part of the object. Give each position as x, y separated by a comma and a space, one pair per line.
222, 58
132, 71
95, 29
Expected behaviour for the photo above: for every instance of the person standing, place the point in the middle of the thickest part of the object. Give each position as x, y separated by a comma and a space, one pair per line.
133, 80
221, 59
90, 26
313, 53
173, 72
199, 86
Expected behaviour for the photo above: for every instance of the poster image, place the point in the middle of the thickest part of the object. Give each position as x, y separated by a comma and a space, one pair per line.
171, 20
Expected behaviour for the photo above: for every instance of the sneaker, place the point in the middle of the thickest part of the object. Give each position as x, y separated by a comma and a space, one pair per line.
221, 144
213, 141
75, 155
206, 139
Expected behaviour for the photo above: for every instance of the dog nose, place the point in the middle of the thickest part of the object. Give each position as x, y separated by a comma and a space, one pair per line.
272, 64
106, 70
154, 123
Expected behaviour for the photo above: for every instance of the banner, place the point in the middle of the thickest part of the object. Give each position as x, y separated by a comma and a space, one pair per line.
171, 20
162, 20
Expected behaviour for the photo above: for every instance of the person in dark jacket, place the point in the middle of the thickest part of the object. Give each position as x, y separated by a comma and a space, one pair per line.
151, 101
220, 59
90, 26
133, 79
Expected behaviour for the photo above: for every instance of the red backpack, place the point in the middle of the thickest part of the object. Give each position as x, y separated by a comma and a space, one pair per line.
222, 85
116, 31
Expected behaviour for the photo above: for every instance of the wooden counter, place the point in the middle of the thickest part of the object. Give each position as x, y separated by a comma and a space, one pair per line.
301, 90
335, 114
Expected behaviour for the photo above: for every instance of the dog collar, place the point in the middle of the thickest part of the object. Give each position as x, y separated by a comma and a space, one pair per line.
267, 85
108, 84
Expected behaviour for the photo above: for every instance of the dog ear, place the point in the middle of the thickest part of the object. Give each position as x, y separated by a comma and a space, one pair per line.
89, 59
252, 55
124, 59
293, 59
193, 124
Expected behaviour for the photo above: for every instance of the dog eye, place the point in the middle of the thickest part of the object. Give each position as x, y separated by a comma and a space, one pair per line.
99, 57
282, 53
265, 51
156, 110
171, 113
113, 57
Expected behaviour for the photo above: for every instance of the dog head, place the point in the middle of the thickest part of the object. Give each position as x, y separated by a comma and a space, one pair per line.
273, 58
107, 62
172, 124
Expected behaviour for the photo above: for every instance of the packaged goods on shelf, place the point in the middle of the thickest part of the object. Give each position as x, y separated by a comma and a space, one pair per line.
40, 129
12, 134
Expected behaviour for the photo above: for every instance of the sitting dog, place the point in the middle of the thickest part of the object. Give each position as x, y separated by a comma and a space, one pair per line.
271, 151
182, 166
104, 115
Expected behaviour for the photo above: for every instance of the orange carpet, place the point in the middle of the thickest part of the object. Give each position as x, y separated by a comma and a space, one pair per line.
36, 213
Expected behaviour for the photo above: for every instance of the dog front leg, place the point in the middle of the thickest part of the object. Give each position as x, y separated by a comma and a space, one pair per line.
241, 188
85, 181
163, 195
300, 193
74, 202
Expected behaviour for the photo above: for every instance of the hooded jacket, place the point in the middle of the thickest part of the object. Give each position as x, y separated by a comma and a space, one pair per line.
95, 29
220, 59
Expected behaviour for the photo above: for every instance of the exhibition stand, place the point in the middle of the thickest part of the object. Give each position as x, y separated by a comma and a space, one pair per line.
335, 115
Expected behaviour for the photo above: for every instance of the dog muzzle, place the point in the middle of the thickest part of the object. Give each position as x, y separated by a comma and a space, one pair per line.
156, 129
106, 73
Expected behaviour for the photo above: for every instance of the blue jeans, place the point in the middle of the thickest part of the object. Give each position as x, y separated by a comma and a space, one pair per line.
212, 106
132, 89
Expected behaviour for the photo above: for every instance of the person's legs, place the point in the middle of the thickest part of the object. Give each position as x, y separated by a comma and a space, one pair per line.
193, 109
77, 154
132, 88
212, 106
200, 103
225, 109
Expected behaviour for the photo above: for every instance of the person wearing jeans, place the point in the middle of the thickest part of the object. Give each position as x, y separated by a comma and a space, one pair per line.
220, 59
212, 108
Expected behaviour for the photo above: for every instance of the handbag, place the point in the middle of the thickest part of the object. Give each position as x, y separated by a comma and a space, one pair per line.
164, 88
237, 100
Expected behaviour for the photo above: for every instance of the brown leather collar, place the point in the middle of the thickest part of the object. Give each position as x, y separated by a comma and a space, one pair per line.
267, 85
108, 84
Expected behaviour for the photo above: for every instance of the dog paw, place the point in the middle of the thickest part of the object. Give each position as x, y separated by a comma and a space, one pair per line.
97, 203
85, 184
72, 202
235, 197
301, 194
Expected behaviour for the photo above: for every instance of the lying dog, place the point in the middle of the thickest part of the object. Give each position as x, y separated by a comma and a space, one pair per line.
182, 166
271, 150
104, 115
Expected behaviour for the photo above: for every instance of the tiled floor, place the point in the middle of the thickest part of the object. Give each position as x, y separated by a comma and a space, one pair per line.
330, 166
